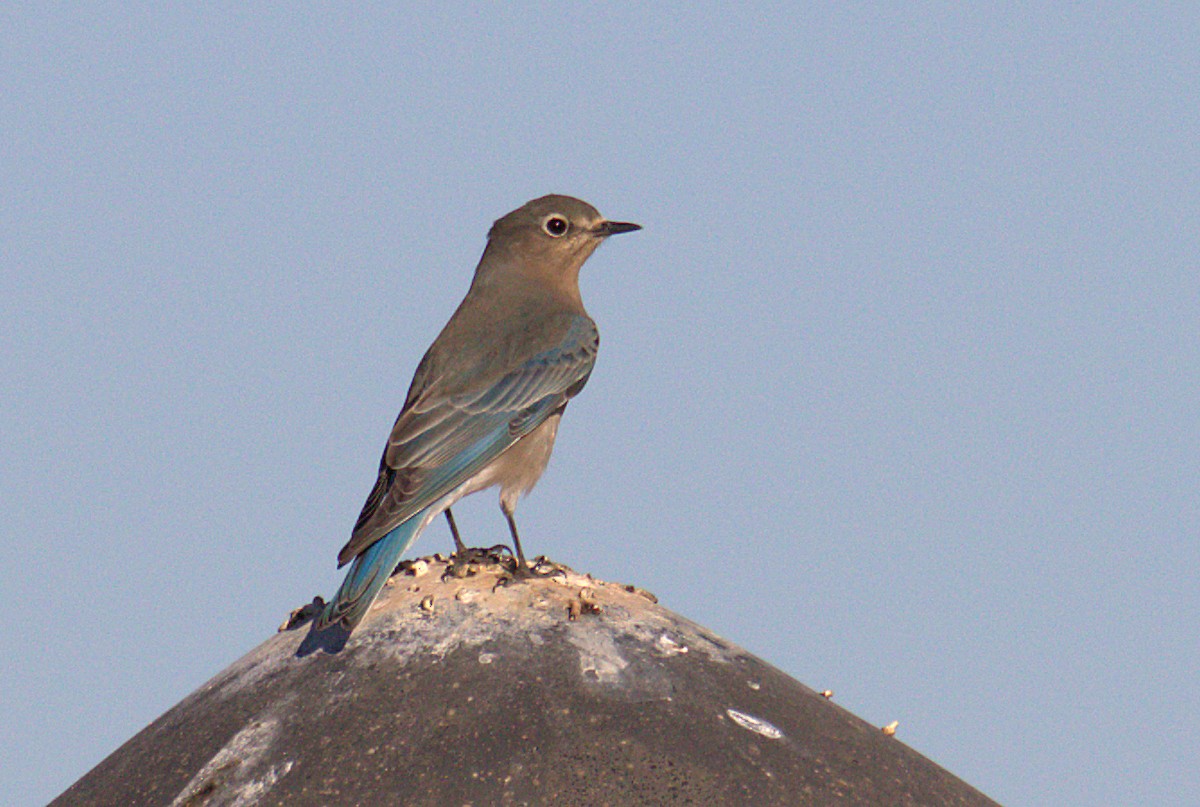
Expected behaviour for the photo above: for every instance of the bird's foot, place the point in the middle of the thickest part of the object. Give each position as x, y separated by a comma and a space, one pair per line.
541, 567
462, 561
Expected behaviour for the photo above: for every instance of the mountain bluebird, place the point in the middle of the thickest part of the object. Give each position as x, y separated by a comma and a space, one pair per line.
486, 400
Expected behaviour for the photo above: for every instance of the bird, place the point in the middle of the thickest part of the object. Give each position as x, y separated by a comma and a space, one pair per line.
485, 402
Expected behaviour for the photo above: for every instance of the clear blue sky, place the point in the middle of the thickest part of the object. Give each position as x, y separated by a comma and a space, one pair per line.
898, 388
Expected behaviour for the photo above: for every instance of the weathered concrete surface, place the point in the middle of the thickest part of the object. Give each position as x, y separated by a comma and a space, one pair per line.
489, 695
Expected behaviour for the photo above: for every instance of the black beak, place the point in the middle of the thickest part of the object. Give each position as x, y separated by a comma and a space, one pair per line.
606, 228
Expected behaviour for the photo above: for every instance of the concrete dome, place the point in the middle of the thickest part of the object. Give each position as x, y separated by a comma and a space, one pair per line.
467, 691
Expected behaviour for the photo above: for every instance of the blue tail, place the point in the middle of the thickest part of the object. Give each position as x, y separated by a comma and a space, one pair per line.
368, 572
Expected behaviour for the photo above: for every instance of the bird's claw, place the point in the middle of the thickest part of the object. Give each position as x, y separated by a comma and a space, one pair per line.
526, 571
462, 561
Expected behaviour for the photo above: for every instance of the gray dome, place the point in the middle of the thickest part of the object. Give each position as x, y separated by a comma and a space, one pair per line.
567, 691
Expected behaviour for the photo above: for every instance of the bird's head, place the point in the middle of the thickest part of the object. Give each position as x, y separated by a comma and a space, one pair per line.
553, 235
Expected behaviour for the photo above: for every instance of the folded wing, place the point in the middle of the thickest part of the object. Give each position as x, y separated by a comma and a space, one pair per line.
439, 442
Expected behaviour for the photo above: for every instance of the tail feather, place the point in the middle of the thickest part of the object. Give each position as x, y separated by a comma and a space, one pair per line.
368, 573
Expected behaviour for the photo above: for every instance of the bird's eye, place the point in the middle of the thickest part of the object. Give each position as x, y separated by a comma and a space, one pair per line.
556, 226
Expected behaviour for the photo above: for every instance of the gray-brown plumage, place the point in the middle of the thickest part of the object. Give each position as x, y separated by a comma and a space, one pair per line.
486, 400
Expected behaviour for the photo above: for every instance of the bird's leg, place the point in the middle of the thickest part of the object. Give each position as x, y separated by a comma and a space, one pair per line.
460, 549
464, 555
523, 570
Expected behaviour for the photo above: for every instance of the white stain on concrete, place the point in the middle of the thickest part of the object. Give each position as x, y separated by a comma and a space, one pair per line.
755, 724
236, 775
599, 658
